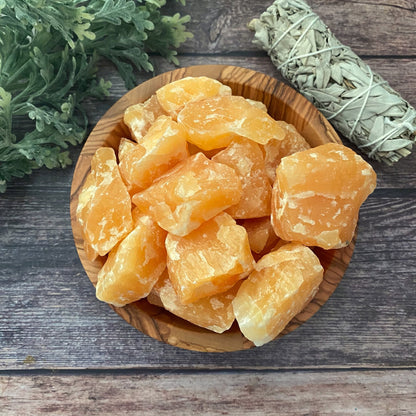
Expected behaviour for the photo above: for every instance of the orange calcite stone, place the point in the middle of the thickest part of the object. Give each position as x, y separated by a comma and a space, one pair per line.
214, 122
125, 146
104, 206
208, 153
136, 214
318, 193
275, 150
261, 235
127, 167
257, 104
133, 266
90, 252
173, 96
194, 191
282, 284
209, 260
214, 312
139, 117
246, 158
161, 148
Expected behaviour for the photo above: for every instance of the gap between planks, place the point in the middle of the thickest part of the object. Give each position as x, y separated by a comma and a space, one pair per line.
62, 372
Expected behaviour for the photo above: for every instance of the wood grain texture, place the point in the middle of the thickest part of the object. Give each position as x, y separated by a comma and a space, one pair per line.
375, 393
368, 27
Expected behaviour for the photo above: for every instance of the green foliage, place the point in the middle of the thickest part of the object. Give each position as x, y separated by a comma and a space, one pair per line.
49, 52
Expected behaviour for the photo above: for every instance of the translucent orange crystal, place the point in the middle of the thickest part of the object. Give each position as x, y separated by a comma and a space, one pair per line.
246, 158
125, 146
173, 96
133, 266
282, 284
208, 153
194, 191
214, 312
163, 146
139, 117
261, 235
258, 104
209, 260
104, 206
276, 149
214, 122
318, 193
90, 252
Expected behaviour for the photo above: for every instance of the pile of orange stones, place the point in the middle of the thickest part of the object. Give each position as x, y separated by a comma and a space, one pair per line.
210, 207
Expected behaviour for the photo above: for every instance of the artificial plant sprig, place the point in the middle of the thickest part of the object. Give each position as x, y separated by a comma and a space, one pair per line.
49, 55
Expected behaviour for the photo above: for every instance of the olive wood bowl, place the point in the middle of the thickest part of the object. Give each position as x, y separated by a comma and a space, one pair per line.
283, 103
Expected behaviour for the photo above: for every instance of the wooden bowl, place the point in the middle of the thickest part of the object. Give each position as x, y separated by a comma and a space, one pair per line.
283, 103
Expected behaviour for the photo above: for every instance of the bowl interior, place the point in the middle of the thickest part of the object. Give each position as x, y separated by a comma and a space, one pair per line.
283, 103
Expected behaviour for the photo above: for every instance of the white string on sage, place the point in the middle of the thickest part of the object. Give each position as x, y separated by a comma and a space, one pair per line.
358, 102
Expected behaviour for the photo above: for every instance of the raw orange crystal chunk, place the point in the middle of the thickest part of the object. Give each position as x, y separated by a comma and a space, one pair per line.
133, 266
246, 158
163, 146
208, 153
274, 150
173, 96
209, 260
318, 193
261, 235
214, 312
91, 254
125, 146
104, 206
127, 166
214, 122
139, 117
258, 104
194, 191
282, 284
136, 215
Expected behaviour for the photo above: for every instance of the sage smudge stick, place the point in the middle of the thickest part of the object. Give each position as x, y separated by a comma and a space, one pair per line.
358, 102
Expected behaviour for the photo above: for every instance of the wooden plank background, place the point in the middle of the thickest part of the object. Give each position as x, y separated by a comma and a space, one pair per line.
240, 393
64, 352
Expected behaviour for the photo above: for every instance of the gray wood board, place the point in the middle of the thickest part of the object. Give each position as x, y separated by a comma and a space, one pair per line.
375, 393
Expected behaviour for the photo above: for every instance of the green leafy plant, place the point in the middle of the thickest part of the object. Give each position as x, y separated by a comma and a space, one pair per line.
49, 55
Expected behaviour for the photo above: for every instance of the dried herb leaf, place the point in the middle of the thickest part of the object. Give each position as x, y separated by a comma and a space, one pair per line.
357, 101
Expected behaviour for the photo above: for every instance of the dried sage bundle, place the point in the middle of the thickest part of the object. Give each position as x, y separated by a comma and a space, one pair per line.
357, 101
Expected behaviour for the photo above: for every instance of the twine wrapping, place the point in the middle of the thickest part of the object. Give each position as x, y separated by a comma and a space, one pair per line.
358, 102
